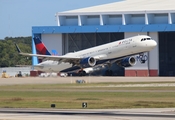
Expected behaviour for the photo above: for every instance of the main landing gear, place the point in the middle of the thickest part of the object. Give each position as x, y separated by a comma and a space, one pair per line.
81, 73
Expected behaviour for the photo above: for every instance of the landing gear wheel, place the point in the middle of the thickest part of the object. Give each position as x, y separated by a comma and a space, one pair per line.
82, 73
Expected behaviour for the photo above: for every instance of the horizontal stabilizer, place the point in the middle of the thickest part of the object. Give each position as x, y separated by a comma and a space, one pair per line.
19, 51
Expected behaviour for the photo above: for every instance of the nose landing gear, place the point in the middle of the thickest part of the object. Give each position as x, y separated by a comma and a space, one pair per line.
143, 58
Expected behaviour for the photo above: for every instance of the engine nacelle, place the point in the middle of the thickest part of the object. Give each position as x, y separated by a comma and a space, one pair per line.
88, 62
127, 62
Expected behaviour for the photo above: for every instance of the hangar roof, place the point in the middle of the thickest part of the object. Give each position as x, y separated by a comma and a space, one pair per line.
125, 6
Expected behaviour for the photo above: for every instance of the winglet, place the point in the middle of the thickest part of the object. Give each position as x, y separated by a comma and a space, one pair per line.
19, 51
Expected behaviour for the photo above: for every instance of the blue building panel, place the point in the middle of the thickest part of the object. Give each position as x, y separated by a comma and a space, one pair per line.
170, 27
105, 28
108, 28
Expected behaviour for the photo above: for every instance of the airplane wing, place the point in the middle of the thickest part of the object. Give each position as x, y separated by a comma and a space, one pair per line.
69, 59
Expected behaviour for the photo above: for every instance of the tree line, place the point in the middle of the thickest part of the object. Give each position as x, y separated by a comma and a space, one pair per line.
9, 56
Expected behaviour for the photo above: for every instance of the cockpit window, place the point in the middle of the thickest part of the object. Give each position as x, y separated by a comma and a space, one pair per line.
143, 39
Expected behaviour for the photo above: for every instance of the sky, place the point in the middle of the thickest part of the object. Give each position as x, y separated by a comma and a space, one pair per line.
18, 16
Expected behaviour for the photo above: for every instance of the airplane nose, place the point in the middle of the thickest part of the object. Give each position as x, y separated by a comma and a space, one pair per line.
153, 43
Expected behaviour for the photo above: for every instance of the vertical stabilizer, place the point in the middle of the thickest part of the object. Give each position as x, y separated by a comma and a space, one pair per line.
40, 47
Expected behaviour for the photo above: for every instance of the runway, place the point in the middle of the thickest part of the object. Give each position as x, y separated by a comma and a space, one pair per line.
86, 114
89, 79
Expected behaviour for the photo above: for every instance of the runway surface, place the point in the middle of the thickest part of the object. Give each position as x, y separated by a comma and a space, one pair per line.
63, 80
85, 114
88, 114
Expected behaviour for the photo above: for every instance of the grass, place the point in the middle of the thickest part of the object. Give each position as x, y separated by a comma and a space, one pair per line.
71, 96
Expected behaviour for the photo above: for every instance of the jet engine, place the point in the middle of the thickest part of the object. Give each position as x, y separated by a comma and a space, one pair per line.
88, 62
127, 62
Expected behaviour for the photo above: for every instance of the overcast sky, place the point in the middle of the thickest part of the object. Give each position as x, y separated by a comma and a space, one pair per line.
18, 16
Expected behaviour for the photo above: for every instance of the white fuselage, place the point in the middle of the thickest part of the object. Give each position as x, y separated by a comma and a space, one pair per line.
125, 47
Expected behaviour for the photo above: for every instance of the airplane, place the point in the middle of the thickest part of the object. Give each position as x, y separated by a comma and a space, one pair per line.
120, 52
49, 66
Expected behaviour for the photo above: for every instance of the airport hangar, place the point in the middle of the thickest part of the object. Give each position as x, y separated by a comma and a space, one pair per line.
87, 27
